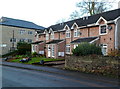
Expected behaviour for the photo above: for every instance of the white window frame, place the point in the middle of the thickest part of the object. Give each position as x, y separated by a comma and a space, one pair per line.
47, 36
67, 46
76, 33
22, 32
52, 35
100, 29
68, 34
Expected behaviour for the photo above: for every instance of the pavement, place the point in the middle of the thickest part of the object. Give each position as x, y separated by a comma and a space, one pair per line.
62, 72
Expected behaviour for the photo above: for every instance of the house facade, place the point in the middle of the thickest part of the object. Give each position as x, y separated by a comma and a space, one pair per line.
60, 39
14, 31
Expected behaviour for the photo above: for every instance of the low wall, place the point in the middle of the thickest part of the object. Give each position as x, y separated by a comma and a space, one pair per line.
94, 64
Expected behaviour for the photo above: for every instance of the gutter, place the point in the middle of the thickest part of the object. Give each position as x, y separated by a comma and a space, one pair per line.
116, 31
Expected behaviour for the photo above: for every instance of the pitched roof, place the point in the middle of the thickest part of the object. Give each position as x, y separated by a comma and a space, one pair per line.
87, 39
54, 41
19, 23
37, 42
109, 15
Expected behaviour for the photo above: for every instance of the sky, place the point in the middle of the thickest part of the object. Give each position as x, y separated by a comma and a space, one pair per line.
41, 12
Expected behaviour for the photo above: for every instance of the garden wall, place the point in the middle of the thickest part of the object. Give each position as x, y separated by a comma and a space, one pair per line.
94, 64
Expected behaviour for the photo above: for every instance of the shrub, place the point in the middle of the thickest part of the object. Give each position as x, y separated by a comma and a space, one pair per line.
23, 48
34, 54
114, 53
10, 53
86, 49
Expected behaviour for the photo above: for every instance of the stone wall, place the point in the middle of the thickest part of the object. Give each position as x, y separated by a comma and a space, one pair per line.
94, 64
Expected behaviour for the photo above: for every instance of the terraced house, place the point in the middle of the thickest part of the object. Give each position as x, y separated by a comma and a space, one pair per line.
14, 31
58, 40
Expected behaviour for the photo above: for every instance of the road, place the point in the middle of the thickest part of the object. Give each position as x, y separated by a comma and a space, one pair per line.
16, 77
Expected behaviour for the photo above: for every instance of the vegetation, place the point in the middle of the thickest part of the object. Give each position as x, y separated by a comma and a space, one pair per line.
90, 7
35, 60
84, 49
114, 53
10, 54
23, 48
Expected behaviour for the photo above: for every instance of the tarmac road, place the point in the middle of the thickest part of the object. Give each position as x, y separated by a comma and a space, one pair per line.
16, 77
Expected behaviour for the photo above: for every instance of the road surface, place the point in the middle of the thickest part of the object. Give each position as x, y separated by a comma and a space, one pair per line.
16, 77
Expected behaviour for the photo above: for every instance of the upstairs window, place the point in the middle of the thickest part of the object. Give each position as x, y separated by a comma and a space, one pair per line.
103, 29
68, 34
52, 35
47, 36
76, 32
30, 32
22, 31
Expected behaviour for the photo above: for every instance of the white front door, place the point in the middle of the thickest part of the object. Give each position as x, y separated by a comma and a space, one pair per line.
49, 51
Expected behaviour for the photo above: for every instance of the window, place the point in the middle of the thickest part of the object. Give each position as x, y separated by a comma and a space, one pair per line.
67, 48
104, 49
22, 40
41, 52
61, 54
37, 37
22, 31
76, 32
75, 45
3, 45
52, 35
29, 40
13, 40
53, 49
68, 34
47, 36
103, 29
30, 32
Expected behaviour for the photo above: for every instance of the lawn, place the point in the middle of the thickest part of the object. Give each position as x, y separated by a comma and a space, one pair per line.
36, 59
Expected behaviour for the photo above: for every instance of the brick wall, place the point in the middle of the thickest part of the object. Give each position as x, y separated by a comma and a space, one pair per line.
93, 64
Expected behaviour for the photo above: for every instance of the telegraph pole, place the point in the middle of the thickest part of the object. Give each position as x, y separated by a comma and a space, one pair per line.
13, 42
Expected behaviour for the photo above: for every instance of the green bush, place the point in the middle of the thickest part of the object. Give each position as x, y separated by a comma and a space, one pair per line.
23, 48
84, 49
34, 54
10, 54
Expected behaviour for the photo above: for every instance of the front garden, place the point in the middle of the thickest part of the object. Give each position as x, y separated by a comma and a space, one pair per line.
36, 59
87, 58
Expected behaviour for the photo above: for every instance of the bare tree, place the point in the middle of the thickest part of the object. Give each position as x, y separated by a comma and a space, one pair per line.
61, 21
91, 7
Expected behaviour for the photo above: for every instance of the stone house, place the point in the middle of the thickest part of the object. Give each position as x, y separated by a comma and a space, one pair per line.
14, 31
60, 39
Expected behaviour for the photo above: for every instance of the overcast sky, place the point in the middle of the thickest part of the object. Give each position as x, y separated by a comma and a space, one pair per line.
41, 12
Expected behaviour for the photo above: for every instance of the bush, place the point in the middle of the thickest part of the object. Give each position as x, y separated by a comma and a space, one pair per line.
114, 53
86, 49
34, 54
10, 54
23, 48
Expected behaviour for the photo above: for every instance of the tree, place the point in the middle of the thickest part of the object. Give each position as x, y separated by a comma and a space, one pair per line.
74, 15
23, 48
91, 7
61, 21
